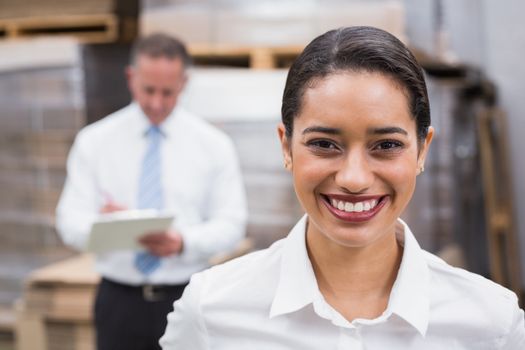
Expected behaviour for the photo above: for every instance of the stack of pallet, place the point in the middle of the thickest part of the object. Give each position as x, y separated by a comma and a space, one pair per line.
251, 122
272, 203
27, 8
56, 310
93, 21
262, 34
42, 109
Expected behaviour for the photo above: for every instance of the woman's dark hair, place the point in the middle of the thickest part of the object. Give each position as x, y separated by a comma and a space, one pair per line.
160, 45
357, 49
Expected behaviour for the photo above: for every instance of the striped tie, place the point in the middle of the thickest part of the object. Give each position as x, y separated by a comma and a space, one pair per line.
150, 193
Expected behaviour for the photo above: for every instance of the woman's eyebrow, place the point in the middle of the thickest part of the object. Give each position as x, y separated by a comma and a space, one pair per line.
334, 131
387, 130
322, 129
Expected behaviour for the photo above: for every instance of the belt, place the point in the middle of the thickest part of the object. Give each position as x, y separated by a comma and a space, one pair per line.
150, 292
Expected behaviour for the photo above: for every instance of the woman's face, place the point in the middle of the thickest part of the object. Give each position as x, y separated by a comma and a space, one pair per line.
354, 157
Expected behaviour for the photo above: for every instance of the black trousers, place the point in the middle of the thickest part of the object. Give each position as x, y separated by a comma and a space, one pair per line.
130, 317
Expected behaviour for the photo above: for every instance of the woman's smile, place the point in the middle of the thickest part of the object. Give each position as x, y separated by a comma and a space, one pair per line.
354, 209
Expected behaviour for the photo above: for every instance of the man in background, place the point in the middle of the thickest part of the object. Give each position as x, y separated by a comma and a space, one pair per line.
152, 154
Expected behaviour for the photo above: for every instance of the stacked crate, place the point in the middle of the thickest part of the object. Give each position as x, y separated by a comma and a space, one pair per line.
42, 109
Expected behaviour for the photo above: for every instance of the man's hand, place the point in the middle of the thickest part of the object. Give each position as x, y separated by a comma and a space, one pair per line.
111, 206
162, 243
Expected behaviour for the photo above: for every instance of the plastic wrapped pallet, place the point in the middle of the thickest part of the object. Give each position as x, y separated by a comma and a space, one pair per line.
251, 121
41, 94
269, 22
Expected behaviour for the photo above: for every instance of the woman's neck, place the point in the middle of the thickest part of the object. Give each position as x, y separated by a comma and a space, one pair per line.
356, 281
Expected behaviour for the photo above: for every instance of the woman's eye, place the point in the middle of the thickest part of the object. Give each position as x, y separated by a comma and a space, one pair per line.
389, 145
322, 144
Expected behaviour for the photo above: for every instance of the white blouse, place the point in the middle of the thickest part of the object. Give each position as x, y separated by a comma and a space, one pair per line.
270, 300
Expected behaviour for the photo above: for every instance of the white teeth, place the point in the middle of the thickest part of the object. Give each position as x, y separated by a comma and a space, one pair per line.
354, 207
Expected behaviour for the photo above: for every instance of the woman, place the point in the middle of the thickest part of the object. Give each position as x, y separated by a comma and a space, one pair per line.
355, 132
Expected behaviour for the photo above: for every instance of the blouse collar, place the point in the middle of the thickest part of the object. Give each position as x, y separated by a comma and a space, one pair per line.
297, 286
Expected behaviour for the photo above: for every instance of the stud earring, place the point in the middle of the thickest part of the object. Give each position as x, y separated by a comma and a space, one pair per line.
421, 169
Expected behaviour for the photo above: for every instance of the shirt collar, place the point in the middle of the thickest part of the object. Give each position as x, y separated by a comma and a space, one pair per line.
297, 286
144, 123
409, 298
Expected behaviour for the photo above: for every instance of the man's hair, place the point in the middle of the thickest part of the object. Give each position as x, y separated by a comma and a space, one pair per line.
160, 45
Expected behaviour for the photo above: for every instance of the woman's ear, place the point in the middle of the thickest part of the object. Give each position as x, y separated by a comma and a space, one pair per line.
285, 146
424, 150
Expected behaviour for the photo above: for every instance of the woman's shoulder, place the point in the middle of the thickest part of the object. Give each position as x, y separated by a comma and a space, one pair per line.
459, 292
465, 281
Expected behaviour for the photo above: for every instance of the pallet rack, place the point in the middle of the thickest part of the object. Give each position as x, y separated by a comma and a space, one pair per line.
256, 57
96, 28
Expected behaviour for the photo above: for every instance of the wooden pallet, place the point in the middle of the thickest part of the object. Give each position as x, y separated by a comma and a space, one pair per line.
63, 291
245, 56
498, 193
7, 319
58, 299
100, 28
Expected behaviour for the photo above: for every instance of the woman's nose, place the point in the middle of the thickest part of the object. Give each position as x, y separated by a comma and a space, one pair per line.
355, 174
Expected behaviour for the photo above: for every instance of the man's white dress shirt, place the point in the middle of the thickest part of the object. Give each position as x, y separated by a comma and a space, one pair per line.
270, 300
201, 181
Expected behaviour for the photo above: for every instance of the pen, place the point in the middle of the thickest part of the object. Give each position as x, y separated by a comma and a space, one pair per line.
107, 197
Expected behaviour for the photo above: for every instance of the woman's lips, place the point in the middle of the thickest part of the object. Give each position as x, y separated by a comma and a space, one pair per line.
354, 208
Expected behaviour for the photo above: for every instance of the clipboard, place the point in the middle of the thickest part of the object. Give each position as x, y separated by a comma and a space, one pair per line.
121, 230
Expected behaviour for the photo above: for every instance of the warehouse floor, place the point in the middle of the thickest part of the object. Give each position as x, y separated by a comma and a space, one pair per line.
6, 328
6, 341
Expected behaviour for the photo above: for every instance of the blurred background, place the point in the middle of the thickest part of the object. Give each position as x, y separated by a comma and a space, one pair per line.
62, 67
